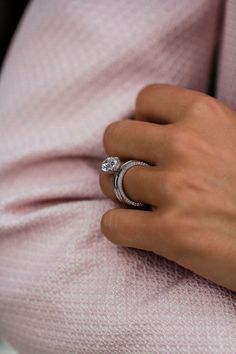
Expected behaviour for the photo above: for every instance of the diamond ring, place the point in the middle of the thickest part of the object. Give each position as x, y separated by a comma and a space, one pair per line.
113, 165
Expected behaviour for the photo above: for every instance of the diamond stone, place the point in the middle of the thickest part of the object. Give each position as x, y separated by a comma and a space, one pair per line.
110, 164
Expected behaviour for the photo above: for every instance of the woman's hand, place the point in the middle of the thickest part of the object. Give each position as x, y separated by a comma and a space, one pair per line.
189, 138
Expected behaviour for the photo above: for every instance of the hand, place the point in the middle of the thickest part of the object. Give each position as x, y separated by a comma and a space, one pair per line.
189, 138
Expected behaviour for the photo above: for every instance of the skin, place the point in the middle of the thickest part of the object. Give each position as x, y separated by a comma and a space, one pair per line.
189, 139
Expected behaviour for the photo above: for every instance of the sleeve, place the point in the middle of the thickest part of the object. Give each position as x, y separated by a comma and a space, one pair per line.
74, 67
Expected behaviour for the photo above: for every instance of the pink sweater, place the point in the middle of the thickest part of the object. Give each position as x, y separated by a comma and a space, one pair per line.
74, 67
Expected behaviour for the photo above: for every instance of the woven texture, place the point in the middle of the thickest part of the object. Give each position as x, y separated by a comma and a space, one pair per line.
74, 67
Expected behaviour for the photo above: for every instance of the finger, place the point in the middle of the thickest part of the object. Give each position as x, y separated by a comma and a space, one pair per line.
139, 229
140, 184
128, 227
164, 104
131, 139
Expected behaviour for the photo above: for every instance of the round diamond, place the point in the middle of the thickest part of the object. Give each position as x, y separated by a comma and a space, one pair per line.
110, 164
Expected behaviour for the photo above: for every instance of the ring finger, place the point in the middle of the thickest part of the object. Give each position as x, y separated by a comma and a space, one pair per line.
140, 183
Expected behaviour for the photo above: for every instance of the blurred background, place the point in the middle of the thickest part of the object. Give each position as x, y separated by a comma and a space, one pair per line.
10, 14
6, 349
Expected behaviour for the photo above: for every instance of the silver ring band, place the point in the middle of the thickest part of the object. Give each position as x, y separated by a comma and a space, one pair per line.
113, 165
118, 182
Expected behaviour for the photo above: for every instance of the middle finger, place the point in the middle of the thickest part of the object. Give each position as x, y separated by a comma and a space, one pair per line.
138, 140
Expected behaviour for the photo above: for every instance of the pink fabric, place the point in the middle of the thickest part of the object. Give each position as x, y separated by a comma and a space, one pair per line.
74, 67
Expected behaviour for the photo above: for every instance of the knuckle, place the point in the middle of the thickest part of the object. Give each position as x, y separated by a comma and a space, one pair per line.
202, 105
143, 96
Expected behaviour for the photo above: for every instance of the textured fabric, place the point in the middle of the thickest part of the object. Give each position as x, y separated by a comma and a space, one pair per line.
74, 67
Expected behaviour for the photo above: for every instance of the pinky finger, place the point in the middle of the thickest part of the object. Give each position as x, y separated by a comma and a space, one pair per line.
137, 229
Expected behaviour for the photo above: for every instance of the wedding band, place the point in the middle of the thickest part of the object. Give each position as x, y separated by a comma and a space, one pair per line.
113, 165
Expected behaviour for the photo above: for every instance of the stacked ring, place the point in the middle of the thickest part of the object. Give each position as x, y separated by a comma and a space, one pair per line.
113, 165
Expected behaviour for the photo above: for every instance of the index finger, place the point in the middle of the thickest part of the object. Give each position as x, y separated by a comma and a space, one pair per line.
164, 104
